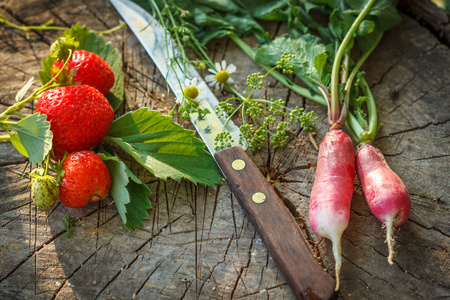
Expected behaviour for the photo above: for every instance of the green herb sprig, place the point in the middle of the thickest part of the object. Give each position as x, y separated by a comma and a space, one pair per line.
69, 221
260, 117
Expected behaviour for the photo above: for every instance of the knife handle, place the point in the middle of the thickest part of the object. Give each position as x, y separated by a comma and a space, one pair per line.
276, 226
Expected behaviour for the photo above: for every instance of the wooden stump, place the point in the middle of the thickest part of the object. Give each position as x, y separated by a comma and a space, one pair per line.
198, 243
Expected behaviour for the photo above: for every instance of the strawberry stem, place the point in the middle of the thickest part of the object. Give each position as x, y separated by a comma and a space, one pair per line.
47, 163
45, 26
13, 109
48, 26
108, 31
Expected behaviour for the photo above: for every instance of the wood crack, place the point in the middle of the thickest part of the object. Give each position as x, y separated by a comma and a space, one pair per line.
66, 281
148, 278
265, 290
157, 233
429, 227
413, 129
241, 270
230, 240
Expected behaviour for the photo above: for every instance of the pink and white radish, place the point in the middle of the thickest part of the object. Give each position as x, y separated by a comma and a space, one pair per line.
384, 191
329, 208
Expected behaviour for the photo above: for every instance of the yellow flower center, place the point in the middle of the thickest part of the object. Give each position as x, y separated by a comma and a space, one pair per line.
191, 92
222, 76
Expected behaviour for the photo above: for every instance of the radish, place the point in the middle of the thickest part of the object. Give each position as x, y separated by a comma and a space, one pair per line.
331, 195
329, 209
384, 191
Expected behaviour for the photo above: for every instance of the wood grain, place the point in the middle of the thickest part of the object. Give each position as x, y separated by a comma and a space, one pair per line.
198, 243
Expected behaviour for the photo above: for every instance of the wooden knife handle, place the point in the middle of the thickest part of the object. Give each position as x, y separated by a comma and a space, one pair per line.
276, 226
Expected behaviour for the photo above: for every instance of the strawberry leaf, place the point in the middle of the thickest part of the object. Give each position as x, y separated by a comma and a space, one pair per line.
163, 147
33, 138
92, 42
129, 193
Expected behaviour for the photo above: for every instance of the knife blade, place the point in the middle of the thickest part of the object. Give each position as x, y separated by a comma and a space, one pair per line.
266, 211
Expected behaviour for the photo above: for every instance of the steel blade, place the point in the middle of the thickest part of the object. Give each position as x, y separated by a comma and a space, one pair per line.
160, 47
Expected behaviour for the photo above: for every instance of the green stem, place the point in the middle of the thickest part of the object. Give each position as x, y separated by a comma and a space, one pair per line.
5, 137
19, 105
7, 123
47, 26
19, 114
233, 90
47, 163
26, 28
277, 75
372, 111
353, 127
111, 30
232, 114
335, 103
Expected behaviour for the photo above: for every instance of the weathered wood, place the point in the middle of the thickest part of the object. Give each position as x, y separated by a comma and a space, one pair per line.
430, 15
198, 243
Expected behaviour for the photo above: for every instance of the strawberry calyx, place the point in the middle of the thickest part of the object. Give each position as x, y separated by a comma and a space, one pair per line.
63, 48
65, 77
58, 167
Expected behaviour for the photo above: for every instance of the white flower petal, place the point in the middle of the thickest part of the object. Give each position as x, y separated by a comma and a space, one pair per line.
212, 71
224, 65
187, 82
210, 78
218, 66
231, 68
230, 80
202, 85
194, 82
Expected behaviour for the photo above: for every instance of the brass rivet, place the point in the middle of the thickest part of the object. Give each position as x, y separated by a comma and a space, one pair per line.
258, 197
238, 164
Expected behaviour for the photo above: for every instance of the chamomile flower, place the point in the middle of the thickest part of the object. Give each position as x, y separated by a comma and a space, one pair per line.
191, 90
221, 75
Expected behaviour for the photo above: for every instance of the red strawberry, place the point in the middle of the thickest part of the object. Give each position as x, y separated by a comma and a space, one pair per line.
91, 70
86, 177
80, 117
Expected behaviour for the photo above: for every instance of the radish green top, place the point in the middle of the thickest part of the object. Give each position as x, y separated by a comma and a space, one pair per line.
326, 62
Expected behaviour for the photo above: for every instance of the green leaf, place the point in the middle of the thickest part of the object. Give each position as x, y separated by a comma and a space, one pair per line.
91, 42
129, 193
163, 147
366, 27
33, 138
271, 10
341, 21
24, 89
17, 143
220, 5
310, 60
384, 12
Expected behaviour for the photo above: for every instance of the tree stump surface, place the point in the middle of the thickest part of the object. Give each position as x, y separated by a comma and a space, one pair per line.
198, 243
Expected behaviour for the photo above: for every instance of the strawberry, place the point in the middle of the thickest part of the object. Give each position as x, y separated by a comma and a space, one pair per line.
80, 117
90, 68
44, 190
85, 178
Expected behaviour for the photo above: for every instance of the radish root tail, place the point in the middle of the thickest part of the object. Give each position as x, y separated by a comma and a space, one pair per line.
338, 259
390, 240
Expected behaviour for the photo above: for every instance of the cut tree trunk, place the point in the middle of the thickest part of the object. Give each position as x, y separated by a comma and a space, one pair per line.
197, 242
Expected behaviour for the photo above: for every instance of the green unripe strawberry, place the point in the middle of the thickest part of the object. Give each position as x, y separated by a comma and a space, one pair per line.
45, 191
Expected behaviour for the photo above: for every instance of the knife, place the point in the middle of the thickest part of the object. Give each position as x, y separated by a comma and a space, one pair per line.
265, 210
